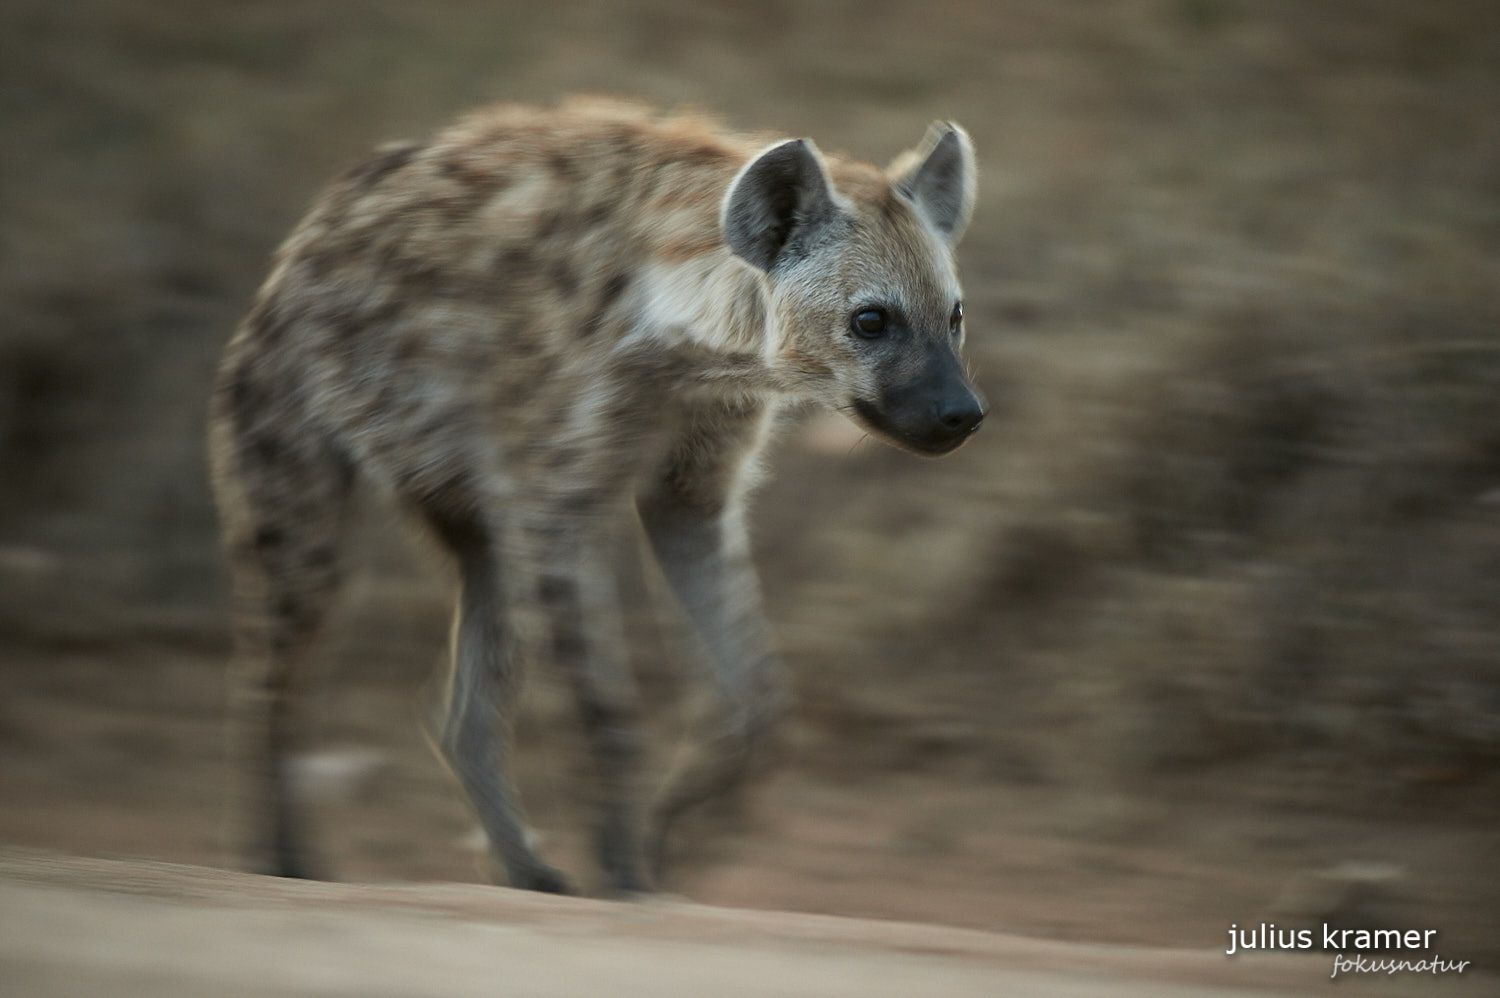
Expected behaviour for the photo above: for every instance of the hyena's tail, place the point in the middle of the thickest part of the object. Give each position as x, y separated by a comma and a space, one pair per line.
282, 493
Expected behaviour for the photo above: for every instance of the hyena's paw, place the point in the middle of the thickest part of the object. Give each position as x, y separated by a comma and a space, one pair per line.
541, 877
286, 856
629, 884
655, 851
622, 864
297, 867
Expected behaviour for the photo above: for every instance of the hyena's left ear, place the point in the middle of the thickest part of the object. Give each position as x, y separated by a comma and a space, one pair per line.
776, 202
940, 178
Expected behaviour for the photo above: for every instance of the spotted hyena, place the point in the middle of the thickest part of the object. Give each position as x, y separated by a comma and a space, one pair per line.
532, 330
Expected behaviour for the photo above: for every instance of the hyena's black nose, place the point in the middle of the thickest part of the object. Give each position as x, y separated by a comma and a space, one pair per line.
959, 415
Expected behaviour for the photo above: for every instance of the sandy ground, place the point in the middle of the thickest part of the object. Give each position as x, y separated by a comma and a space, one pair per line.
75, 926
118, 751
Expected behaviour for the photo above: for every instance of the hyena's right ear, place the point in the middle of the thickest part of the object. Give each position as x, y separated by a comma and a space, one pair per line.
775, 203
940, 178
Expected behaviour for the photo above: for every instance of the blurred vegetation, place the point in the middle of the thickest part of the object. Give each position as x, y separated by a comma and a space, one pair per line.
1234, 286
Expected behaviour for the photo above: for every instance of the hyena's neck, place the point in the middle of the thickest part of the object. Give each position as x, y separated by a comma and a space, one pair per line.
711, 311
711, 299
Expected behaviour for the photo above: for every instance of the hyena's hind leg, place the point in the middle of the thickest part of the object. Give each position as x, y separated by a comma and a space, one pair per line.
282, 498
583, 625
483, 687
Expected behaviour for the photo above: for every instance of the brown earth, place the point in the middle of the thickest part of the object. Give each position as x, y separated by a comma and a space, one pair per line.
118, 751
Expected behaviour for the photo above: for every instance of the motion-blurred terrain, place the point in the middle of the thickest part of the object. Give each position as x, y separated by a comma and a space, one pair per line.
1209, 612
258, 936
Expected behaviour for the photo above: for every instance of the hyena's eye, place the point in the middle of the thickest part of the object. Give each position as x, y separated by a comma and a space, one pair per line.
869, 322
956, 320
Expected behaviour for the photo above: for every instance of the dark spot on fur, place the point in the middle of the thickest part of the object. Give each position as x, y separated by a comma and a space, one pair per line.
597, 215
361, 241
386, 160
560, 458
449, 506
288, 609
567, 641
273, 334
319, 263
266, 314
560, 164
581, 501
408, 348
595, 715
266, 448
613, 289
245, 397
557, 590
455, 490
419, 278
548, 225
513, 262
454, 207
269, 537
347, 326
518, 339
386, 399
564, 278
462, 172
546, 531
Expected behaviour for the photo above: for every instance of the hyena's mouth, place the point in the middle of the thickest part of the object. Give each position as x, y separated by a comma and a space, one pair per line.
872, 417
929, 441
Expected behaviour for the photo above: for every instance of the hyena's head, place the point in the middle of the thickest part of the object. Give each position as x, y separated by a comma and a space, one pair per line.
865, 300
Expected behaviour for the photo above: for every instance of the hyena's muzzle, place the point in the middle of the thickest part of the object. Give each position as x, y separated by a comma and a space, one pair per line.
927, 404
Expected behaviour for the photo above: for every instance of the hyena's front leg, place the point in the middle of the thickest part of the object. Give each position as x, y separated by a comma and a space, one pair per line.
704, 552
484, 683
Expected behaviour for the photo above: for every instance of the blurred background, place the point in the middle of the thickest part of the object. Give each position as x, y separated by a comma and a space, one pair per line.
1204, 627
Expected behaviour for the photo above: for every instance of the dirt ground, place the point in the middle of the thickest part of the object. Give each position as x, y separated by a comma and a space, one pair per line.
119, 751
128, 929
